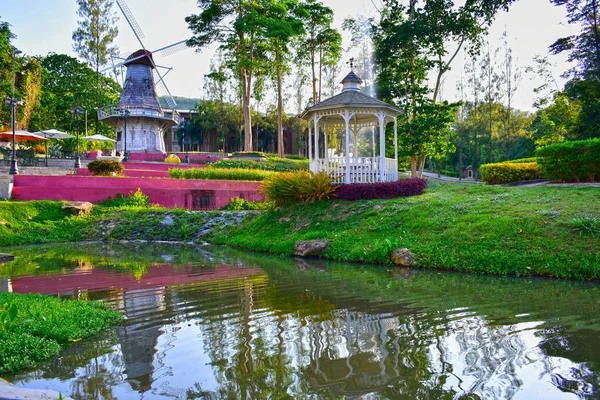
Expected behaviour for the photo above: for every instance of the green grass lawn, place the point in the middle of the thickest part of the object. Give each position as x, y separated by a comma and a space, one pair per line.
34, 327
480, 229
550, 231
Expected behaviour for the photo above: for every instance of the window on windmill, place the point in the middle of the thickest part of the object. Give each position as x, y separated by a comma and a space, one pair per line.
119, 136
125, 83
147, 82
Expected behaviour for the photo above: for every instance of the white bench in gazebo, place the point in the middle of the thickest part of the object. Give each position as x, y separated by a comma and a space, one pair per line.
352, 110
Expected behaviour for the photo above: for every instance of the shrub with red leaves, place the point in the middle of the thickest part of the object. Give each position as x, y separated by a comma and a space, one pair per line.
381, 190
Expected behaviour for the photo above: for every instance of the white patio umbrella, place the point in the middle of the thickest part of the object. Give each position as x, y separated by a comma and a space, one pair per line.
53, 134
98, 138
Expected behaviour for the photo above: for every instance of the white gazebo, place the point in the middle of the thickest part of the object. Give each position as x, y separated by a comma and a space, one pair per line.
350, 112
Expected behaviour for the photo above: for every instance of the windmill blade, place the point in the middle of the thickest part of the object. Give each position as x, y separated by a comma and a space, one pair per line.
122, 62
137, 31
124, 55
172, 48
117, 70
162, 88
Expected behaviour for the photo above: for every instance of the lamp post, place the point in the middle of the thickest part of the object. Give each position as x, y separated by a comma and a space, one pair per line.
186, 138
76, 111
13, 103
125, 114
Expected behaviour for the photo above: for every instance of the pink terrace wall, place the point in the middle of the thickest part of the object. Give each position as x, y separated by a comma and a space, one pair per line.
190, 194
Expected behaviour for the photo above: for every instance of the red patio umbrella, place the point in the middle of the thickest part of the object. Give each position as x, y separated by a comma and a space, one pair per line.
21, 136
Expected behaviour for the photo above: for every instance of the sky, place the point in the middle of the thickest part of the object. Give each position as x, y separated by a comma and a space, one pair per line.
44, 26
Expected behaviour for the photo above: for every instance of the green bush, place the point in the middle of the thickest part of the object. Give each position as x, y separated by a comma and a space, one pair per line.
105, 168
229, 174
43, 323
499, 173
575, 161
135, 199
239, 204
302, 186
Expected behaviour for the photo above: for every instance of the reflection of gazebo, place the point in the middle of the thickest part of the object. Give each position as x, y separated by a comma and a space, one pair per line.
351, 111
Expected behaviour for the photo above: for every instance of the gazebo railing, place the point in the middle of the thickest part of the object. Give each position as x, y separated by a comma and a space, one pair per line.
361, 169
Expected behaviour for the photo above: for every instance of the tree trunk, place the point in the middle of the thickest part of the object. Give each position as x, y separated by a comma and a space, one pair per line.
280, 149
246, 85
422, 159
413, 166
314, 75
320, 72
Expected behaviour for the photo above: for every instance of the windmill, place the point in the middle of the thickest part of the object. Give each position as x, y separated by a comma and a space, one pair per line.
138, 118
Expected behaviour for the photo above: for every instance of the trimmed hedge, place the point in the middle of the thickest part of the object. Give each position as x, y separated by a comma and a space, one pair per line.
447, 172
576, 161
521, 160
499, 173
220, 174
105, 168
279, 165
381, 190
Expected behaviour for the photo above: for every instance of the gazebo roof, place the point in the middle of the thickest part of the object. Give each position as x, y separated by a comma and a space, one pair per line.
350, 97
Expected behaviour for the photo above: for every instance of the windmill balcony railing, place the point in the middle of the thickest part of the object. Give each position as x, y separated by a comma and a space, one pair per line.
117, 111
358, 170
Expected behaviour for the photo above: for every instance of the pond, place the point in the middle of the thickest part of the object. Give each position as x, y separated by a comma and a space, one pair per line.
214, 323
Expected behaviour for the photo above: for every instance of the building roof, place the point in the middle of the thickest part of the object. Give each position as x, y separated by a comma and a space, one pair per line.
142, 56
351, 77
350, 97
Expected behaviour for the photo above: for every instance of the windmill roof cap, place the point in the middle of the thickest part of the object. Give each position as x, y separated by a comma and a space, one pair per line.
142, 56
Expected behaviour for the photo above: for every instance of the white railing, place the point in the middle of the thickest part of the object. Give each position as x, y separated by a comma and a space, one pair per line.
359, 169
116, 111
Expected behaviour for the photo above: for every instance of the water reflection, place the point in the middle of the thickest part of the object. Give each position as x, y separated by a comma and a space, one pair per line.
218, 324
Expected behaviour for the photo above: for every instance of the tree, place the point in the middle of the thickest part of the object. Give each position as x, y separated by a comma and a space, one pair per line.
234, 24
67, 82
557, 122
490, 80
546, 90
25, 73
413, 40
584, 50
322, 44
282, 24
361, 33
94, 37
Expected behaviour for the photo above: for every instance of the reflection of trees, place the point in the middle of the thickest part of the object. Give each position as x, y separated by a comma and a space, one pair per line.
333, 331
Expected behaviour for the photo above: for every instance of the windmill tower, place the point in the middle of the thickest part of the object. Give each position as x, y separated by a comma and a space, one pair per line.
139, 120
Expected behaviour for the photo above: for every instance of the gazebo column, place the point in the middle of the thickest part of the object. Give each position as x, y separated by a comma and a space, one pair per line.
347, 117
326, 145
310, 157
396, 147
381, 118
317, 141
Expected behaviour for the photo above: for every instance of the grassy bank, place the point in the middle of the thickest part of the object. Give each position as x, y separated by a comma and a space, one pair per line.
497, 230
551, 231
36, 327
